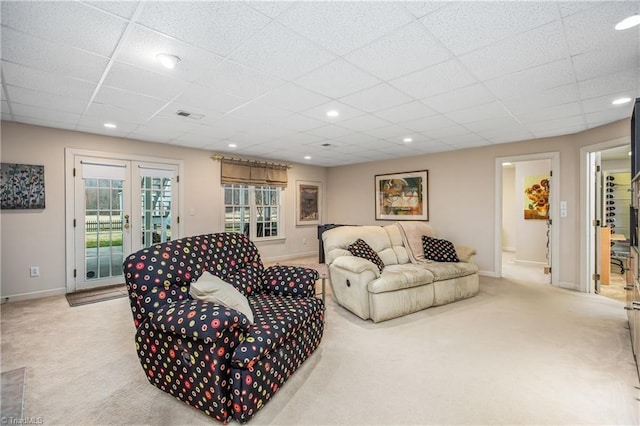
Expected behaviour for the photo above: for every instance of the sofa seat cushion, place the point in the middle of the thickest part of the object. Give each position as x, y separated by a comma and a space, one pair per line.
398, 277
276, 318
447, 270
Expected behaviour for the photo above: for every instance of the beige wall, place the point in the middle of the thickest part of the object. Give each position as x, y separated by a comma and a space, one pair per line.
37, 238
462, 192
461, 198
509, 209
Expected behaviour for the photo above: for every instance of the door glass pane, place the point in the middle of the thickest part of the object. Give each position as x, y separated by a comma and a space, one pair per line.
156, 194
103, 228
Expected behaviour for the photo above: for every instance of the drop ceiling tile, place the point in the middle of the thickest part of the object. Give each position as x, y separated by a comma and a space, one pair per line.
530, 49
432, 147
376, 98
595, 63
500, 123
407, 50
603, 103
298, 138
449, 76
364, 122
613, 83
220, 27
406, 112
533, 80
191, 140
21, 95
142, 46
427, 124
328, 131
30, 78
464, 97
239, 80
196, 96
293, 98
281, 52
356, 139
600, 21
446, 132
421, 8
51, 57
470, 140
299, 122
95, 124
543, 99
112, 133
353, 24
337, 79
467, 26
44, 114
260, 112
61, 22
117, 114
124, 9
568, 8
556, 124
390, 132
479, 112
609, 115
555, 132
125, 99
141, 81
320, 112
270, 8
549, 113
156, 133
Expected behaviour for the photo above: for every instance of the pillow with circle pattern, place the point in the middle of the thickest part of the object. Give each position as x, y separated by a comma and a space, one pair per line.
438, 250
360, 248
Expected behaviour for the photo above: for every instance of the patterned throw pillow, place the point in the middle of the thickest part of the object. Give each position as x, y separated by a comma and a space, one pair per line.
361, 249
439, 250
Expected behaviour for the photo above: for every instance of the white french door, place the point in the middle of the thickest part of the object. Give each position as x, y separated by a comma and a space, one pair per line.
119, 206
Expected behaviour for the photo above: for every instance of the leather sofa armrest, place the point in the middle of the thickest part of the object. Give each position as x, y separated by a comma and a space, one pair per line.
465, 253
286, 280
197, 318
356, 265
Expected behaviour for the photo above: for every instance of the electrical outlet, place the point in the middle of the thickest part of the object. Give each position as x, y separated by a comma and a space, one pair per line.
34, 271
304, 241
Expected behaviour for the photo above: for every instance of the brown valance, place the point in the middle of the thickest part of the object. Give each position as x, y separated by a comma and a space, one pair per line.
250, 172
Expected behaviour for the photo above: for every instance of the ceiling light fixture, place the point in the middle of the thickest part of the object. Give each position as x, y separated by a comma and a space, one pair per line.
332, 113
627, 23
621, 101
110, 125
168, 60
307, 157
232, 145
407, 140
507, 163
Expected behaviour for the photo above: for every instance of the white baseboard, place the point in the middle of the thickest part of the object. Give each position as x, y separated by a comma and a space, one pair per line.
33, 295
509, 249
531, 262
491, 274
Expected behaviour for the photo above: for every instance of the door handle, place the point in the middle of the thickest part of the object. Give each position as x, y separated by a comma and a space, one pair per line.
126, 221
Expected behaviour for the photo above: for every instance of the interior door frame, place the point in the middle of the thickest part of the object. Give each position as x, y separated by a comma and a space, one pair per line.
69, 164
554, 211
587, 247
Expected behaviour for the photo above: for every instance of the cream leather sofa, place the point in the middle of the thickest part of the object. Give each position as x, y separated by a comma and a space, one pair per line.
406, 284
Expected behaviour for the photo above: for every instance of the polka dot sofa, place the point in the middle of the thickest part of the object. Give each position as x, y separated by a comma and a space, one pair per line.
211, 356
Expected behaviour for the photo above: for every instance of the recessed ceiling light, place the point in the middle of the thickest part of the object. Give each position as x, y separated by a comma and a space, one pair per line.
110, 125
629, 153
506, 164
627, 23
332, 113
307, 157
407, 140
621, 101
232, 145
168, 60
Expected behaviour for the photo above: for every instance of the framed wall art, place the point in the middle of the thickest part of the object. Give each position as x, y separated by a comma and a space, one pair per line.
21, 186
308, 202
402, 196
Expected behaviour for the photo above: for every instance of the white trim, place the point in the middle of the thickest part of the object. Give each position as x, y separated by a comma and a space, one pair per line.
585, 266
554, 212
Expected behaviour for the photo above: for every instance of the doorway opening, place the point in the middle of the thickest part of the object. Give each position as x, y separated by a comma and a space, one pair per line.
606, 178
525, 225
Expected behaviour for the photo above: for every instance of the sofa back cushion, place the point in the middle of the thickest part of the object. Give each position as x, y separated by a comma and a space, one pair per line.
336, 242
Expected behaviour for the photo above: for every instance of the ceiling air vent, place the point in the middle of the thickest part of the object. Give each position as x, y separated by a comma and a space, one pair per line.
189, 115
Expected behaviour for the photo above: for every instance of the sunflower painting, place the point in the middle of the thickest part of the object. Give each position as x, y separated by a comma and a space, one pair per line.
536, 197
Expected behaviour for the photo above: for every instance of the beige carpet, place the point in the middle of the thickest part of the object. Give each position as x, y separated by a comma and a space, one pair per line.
516, 354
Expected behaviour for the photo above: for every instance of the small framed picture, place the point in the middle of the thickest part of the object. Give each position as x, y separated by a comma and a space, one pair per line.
308, 202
